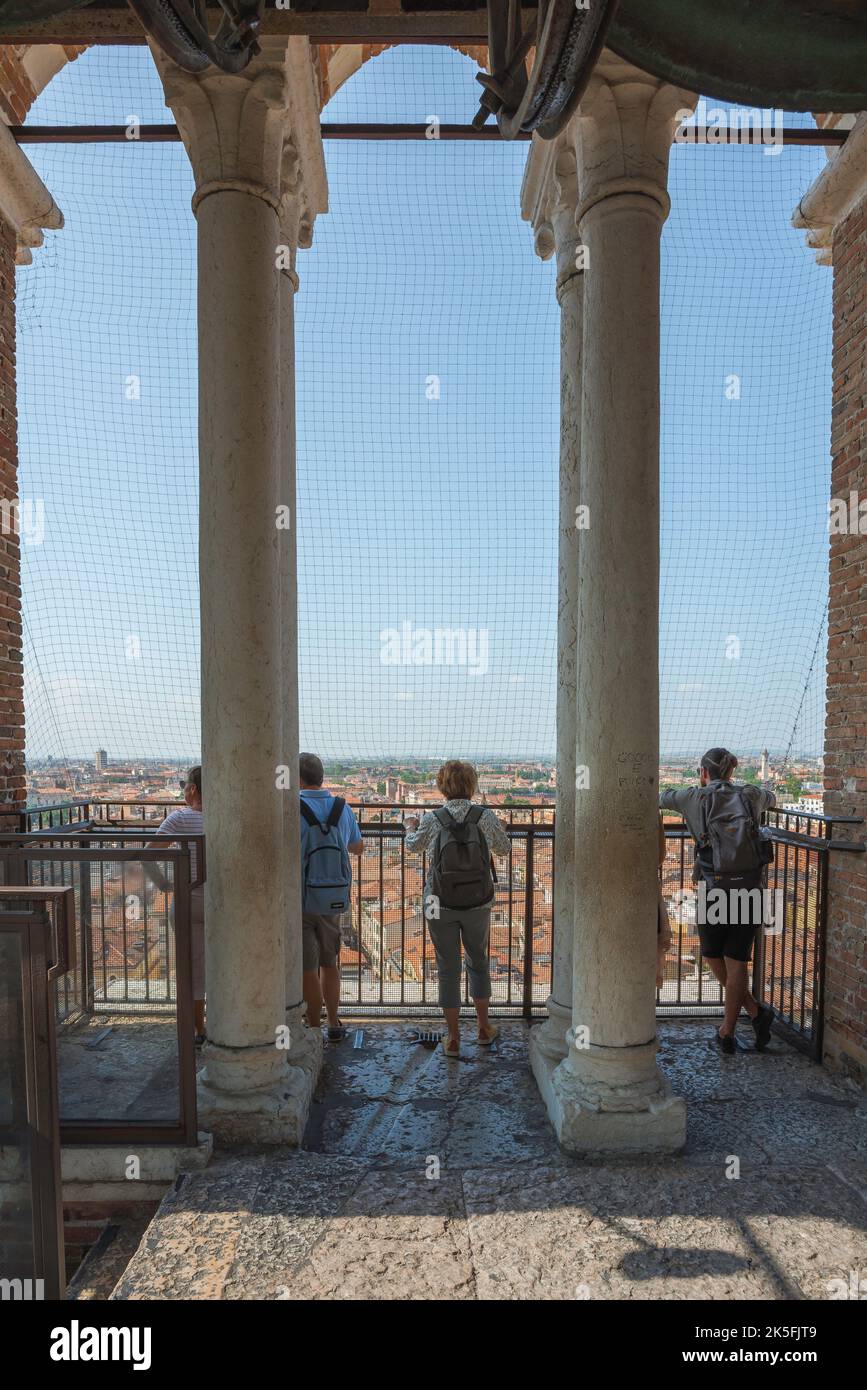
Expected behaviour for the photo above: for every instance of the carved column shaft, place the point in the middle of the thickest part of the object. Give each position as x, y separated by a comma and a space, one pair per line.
550, 198
252, 141
609, 1093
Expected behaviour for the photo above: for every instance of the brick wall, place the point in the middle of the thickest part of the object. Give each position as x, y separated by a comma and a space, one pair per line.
846, 715
12, 785
17, 94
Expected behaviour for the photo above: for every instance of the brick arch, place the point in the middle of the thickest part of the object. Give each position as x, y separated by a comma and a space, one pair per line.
340, 61
27, 68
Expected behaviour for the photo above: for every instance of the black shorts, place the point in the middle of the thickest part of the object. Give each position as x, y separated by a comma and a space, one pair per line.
733, 941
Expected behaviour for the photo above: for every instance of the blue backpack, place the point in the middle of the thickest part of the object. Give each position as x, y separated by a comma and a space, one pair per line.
326, 874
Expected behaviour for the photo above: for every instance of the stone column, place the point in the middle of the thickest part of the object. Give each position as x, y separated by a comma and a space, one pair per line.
235, 129
549, 198
304, 193
608, 1094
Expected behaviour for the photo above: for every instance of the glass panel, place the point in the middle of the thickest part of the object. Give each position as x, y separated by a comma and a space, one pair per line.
117, 1056
16, 1198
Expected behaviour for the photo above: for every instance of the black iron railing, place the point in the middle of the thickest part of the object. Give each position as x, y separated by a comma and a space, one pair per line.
388, 964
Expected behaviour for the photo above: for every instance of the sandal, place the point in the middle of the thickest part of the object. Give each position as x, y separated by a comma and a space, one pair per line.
451, 1049
493, 1032
337, 1034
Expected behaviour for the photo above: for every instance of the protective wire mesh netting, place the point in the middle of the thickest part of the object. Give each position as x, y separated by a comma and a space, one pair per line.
428, 400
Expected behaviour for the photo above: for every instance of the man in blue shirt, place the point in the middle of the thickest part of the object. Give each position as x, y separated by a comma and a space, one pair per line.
321, 931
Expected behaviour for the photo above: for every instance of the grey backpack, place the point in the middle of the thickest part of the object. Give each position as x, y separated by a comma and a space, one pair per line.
326, 874
461, 874
731, 852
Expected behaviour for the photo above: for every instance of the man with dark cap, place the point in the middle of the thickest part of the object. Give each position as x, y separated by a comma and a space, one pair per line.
720, 812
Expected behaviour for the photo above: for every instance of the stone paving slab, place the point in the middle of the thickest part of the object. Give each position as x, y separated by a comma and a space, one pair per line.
480, 1109
239, 1228
425, 1179
400, 1236
661, 1232
782, 1132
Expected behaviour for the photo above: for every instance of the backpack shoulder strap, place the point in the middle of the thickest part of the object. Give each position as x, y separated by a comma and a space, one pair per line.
704, 837
474, 815
308, 813
445, 818
335, 813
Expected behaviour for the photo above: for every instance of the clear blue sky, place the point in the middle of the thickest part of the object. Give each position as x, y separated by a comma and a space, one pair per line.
432, 512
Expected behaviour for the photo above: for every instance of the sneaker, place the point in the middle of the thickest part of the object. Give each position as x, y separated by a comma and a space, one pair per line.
726, 1045
493, 1031
762, 1026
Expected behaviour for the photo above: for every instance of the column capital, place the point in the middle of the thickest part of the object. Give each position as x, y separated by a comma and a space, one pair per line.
25, 203
549, 202
625, 125
840, 187
256, 131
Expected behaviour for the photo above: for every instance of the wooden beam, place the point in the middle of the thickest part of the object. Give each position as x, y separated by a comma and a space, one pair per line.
110, 24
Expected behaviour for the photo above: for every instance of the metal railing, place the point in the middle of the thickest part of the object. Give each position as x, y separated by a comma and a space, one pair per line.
106, 812
388, 964
124, 1012
789, 956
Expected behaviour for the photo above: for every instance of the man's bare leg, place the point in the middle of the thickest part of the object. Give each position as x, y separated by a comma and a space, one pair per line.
329, 976
719, 967
312, 997
737, 979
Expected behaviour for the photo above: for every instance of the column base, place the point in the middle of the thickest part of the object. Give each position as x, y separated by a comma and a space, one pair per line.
307, 1047
244, 1112
583, 1124
549, 1037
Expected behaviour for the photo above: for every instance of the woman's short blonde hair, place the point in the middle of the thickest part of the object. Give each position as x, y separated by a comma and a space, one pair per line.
457, 781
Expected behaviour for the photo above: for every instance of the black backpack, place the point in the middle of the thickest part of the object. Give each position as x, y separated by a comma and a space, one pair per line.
731, 852
461, 874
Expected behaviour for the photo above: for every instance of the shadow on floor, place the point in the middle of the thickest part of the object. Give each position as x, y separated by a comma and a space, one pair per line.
427, 1179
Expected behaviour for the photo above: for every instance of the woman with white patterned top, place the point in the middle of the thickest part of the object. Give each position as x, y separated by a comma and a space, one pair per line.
189, 820
451, 928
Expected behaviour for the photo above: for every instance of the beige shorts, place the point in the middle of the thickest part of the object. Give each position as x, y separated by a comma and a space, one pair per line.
320, 942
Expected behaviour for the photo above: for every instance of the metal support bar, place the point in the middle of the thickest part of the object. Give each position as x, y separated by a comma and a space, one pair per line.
362, 130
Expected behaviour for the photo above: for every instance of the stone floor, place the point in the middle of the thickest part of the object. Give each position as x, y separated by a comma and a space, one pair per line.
423, 1178
115, 1066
